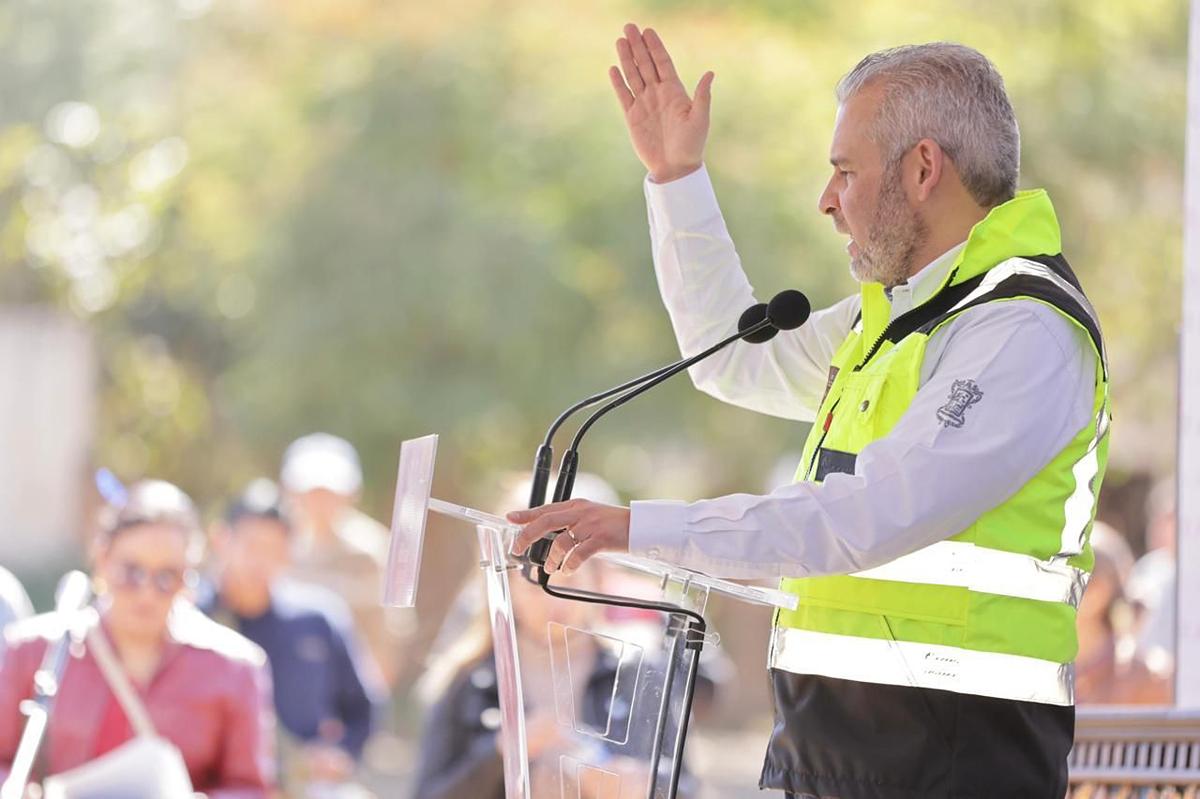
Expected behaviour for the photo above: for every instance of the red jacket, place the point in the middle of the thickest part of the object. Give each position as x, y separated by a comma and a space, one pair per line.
211, 698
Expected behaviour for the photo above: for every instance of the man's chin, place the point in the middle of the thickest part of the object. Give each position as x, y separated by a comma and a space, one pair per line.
866, 272
860, 271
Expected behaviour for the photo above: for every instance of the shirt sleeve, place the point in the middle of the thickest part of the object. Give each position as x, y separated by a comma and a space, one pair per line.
924, 482
358, 690
705, 291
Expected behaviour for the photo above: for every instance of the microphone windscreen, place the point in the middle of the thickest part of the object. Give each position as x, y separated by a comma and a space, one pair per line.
788, 309
751, 317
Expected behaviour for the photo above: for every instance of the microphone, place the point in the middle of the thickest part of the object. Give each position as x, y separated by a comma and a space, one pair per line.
751, 317
72, 595
758, 323
787, 310
754, 326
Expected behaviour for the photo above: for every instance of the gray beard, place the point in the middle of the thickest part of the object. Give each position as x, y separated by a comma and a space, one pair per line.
896, 233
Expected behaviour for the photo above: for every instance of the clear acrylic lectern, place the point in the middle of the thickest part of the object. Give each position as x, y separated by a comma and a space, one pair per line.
593, 703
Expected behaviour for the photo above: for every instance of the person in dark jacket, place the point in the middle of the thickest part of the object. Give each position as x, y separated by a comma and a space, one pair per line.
462, 749
326, 687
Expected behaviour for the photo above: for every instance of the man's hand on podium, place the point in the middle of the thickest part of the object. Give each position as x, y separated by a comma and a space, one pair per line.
588, 527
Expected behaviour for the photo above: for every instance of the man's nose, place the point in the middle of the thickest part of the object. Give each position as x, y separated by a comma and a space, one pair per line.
827, 203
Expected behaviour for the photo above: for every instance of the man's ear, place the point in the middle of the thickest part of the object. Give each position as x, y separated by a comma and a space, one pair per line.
929, 161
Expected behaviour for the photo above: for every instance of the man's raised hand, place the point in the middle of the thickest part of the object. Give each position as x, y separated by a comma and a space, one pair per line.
667, 127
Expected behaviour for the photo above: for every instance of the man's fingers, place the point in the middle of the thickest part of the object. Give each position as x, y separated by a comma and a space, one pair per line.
641, 55
658, 52
576, 556
629, 67
624, 96
526, 515
703, 96
559, 551
539, 527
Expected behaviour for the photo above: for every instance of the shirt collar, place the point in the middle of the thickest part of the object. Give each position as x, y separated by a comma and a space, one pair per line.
919, 288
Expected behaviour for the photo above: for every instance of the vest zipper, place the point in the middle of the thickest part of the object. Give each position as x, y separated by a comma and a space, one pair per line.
883, 337
923, 308
875, 346
816, 452
870, 354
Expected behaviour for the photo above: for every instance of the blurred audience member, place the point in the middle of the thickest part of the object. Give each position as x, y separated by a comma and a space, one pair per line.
1108, 669
14, 603
206, 689
461, 749
325, 686
340, 547
1152, 583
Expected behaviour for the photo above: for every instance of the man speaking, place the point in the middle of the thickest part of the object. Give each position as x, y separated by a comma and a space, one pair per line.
937, 532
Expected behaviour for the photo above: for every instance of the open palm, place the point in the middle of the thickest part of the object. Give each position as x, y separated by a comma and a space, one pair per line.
667, 127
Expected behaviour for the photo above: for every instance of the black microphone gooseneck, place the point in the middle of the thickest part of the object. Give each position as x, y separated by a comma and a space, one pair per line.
786, 311
752, 317
754, 325
545, 453
686, 629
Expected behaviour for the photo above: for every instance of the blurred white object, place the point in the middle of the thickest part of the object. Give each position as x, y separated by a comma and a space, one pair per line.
1187, 674
143, 768
14, 602
46, 426
321, 460
1152, 585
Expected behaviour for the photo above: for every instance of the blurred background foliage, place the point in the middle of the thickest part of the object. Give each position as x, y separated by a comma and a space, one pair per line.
385, 218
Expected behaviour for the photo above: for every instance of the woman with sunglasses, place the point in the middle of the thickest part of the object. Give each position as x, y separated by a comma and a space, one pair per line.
205, 689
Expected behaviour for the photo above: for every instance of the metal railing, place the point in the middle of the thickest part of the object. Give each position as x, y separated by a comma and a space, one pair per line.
1135, 753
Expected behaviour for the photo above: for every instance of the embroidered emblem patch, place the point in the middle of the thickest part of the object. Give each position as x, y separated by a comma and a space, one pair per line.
963, 394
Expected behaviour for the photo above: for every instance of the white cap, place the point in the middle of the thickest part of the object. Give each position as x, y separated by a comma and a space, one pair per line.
320, 460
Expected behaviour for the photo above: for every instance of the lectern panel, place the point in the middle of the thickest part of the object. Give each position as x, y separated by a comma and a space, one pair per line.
592, 700
414, 481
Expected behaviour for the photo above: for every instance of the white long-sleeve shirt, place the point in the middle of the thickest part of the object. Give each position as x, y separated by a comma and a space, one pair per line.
922, 483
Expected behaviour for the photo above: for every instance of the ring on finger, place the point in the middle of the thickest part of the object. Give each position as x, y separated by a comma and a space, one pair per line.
568, 554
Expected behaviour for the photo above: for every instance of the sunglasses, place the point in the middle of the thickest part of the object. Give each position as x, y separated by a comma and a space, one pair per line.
133, 577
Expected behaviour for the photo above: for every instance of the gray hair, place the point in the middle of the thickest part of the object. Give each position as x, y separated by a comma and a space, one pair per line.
953, 95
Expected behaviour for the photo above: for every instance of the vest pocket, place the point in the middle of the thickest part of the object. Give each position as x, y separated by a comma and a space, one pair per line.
860, 401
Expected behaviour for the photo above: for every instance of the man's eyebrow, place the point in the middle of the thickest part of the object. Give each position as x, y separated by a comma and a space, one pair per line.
839, 160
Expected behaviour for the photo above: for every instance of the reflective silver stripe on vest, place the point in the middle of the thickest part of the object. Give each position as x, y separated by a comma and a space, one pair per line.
1078, 508
1021, 266
944, 668
991, 571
